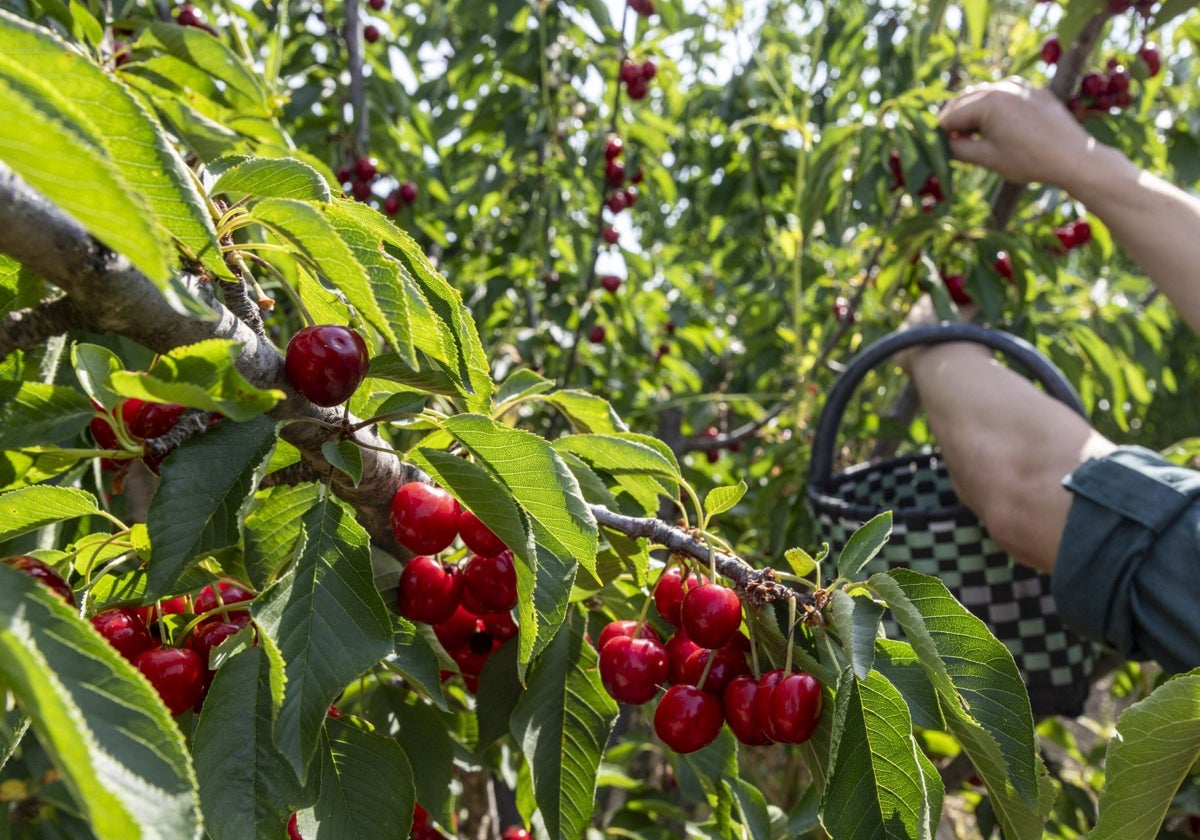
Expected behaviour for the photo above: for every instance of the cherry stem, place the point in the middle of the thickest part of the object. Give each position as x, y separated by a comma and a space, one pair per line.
753, 651
712, 655
787, 661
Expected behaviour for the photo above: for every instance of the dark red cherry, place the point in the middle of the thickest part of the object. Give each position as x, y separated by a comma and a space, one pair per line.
687, 719
632, 669
429, 590
209, 635
740, 714
326, 363
795, 708
492, 581
668, 594
625, 627
178, 674
762, 701
711, 614
424, 518
727, 663
477, 536
124, 630
39, 570
230, 593
458, 629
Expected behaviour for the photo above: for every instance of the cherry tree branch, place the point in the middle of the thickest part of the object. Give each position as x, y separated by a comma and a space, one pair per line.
110, 296
28, 329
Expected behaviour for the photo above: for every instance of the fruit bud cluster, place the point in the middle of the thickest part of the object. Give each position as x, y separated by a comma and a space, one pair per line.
711, 683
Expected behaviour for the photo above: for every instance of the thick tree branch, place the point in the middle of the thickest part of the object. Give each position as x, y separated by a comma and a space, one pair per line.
113, 297
28, 329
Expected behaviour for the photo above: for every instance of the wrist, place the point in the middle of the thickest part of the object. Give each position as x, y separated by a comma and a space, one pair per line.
1098, 176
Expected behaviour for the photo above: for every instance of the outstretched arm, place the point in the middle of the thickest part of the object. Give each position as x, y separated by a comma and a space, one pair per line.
1025, 134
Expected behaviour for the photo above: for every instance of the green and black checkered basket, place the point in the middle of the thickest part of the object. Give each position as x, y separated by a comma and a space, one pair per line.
933, 533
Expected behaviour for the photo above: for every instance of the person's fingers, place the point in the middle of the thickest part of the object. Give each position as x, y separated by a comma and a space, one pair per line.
974, 150
964, 113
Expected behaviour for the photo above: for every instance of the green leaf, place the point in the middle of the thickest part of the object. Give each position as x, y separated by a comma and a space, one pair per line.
203, 497
366, 785
1156, 745
856, 620
499, 692
34, 413
273, 529
588, 413
317, 231
876, 786
329, 622
522, 383
246, 785
274, 178
1075, 16
800, 562
415, 660
898, 663
118, 750
32, 466
643, 466
425, 736
130, 137
344, 455
562, 723
30, 508
720, 499
94, 365
981, 695
202, 375
864, 544
395, 368
975, 15
243, 88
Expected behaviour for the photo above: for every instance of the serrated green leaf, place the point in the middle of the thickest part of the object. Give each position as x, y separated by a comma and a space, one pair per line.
720, 499
499, 692
318, 231
588, 413
898, 663
210, 55
246, 785
202, 499
522, 383
876, 786
857, 620
982, 697
273, 529
394, 368
115, 745
864, 544
415, 660
424, 734
132, 139
202, 375
274, 178
800, 562
366, 785
33, 465
344, 455
643, 466
329, 622
1156, 744
93, 366
562, 723
35, 413
30, 508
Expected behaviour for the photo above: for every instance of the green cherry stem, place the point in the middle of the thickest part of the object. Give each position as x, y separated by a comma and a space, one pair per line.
791, 641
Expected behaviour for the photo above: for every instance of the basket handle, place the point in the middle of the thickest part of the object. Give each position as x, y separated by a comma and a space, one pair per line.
1017, 349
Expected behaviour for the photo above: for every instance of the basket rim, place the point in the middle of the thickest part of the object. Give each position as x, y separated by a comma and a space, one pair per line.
822, 501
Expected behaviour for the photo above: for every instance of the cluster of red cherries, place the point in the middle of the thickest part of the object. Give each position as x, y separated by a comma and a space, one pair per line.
1100, 93
616, 175
705, 662
360, 175
180, 673
142, 420
470, 606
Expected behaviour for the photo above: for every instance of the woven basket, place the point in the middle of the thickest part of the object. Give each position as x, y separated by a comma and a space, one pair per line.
933, 533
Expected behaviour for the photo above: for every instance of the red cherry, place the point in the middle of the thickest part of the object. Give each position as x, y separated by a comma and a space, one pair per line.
231, 593
630, 73
631, 195
361, 189
613, 148
472, 656
424, 518
896, 167
1118, 83
956, 285
377, 5
632, 669
625, 627
326, 363
614, 173
343, 173
492, 581
649, 70
669, 592
842, 311
687, 718
679, 649
596, 334
500, 625
40, 571
429, 590
124, 630
477, 536
711, 614
762, 701
515, 832
795, 708
371, 33
426, 832
637, 89
178, 674
727, 663
1092, 84
610, 282
366, 168
153, 420
738, 702
1051, 50
932, 189
209, 635
457, 630
1003, 265
1151, 59
420, 816
408, 192
616, 202
391, 204
611, 235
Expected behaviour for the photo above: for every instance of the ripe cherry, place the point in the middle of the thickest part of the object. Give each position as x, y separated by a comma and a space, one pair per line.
679, 649
795, 708
326, 363
727, 664
614, 173
687, 718
630, 73
611, 235
39, 570
1151, 61
293, 830
424, 518
1003, 265
492, 581
429, 590
669, 592
740, 714
371, 33
515, 832
625, 627
209, 635
178, 674
956, 285
596, 334
457, 630
122, 628
408, 192
611, 283
230, 593
420, 816
1051, 50
500, 625
1092, 84
711, 614
153, 420
377, 5
762, 701
637, 89
632, 669
477, 536
613, 147
391, 204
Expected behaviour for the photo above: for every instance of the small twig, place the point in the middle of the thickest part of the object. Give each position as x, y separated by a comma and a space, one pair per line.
757, 586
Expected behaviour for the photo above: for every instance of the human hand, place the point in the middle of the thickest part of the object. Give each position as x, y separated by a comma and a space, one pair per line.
1020, 131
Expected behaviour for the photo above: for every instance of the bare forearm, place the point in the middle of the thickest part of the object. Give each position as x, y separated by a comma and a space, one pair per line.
1156, 223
